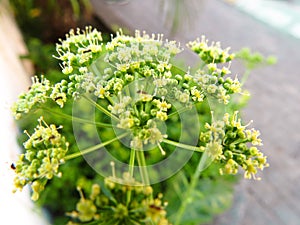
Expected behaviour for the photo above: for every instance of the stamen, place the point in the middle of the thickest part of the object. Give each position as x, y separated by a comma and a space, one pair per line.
161, 149
112, 164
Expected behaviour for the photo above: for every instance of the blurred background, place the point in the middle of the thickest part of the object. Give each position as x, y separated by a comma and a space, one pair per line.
30, 28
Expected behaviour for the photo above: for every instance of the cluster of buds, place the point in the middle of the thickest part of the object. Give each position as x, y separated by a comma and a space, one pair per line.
130, 52
236, 148
212, 82
140, 115
45, 151
212, 53
131, 58
76, 53
110, 206
211, 79
79, 49
38, 93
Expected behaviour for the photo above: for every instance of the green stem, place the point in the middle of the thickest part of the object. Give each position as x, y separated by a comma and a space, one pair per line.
238, 141
131, 170
245, 76
181, 110
181, 70
77, 119
101, 108
131, 162
181, 145
95, 147
187, 198
110, 100
143, 167
127, 91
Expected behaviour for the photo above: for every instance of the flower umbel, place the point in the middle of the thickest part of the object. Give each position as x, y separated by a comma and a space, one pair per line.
237, 148
37, 94
145, 110
112, 204
212, 53
44, 152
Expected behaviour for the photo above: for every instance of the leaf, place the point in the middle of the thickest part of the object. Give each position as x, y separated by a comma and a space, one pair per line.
213, 195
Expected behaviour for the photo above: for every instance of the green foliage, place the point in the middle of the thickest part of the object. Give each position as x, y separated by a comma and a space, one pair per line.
40, 54
48, 20
254, 60
212, 195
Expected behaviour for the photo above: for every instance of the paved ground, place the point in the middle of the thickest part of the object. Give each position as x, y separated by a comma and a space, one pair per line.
283, 15
274, 107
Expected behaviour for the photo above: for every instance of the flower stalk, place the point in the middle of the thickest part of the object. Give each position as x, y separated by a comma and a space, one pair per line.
94, 148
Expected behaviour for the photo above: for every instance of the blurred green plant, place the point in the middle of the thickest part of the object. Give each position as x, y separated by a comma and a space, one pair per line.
253, 60
49, 20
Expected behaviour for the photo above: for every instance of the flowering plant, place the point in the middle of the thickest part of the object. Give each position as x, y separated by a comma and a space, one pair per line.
138, 119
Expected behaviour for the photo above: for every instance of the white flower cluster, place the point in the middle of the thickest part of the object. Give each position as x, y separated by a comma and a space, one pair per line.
130, 58
140, 116
76, 53
212, 83
210, 80
125, 52
79, 49
108, 71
